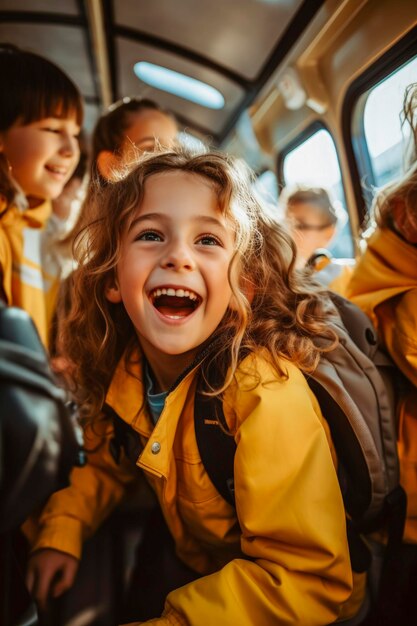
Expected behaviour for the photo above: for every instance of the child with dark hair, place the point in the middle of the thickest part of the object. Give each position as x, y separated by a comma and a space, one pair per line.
41, 114
130, 126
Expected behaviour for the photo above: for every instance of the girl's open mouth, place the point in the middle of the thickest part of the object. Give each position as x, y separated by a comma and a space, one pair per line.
58, 172
175, 303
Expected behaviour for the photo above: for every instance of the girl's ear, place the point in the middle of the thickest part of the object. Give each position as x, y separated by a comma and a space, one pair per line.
107, 162
112, 291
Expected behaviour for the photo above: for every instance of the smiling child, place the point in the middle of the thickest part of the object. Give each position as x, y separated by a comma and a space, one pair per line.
40, 118
185, 272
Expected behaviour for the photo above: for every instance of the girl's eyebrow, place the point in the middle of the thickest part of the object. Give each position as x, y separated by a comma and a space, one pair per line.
142, 140
206, 219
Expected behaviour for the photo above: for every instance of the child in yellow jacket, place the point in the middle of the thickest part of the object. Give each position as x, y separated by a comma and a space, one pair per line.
182, 271
313, 220
384, 285
40, 118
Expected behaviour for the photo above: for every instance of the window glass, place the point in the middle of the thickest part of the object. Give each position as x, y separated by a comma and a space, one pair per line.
191, 142
267, 186
386, 138
314, 163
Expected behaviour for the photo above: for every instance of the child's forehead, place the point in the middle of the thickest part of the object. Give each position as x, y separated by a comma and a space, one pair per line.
69, 118
149, 114
177, 191
304, 206
179, 179
144, 120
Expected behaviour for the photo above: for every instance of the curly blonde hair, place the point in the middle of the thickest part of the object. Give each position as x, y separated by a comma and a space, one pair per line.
276, 307
404, 191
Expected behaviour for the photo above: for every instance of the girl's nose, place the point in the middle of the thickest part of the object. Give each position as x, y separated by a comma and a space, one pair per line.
178, 258
69, 146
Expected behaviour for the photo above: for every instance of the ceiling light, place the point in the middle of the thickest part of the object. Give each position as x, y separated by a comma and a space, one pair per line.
179, 85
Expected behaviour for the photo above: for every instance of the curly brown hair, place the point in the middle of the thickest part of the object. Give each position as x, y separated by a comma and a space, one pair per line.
402, 191
276, 307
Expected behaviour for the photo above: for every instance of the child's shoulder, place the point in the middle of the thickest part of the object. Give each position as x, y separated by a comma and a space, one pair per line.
261, 391
257, 368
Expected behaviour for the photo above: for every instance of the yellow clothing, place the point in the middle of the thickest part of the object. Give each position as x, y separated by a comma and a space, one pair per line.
384, 285
340, 282
287, 560
26, 281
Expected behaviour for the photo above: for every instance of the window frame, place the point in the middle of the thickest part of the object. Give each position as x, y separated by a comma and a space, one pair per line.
357, 153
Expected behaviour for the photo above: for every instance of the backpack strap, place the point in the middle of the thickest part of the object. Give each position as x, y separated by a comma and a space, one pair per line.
124, 437
216, 446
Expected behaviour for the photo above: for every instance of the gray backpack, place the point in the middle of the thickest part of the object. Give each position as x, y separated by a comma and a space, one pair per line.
356, 385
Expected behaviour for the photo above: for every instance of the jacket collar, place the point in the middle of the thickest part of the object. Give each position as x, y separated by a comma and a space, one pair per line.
388, 270
127, 397
32, 218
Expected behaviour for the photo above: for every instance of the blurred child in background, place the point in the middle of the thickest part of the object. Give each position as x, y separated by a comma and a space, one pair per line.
41, 114
384, 285
313, 221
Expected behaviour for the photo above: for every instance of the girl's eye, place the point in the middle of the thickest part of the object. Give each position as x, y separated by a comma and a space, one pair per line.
209, 240
149, 235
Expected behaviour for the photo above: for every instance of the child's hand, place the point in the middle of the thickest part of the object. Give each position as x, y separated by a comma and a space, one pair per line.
50, 573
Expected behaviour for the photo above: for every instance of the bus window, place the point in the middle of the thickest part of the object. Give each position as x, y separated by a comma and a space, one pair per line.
386, 138
190, 141
266, 185
314, 163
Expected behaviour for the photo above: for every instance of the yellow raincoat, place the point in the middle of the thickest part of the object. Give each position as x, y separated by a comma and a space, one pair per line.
384, 285
25, 281
287, 561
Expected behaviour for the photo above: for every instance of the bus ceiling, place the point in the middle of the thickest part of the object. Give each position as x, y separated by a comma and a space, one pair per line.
232, 47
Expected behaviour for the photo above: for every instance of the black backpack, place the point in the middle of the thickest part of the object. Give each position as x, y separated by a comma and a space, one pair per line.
356, 385
39, 442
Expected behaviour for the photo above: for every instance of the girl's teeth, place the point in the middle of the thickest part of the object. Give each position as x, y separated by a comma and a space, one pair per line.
180, 293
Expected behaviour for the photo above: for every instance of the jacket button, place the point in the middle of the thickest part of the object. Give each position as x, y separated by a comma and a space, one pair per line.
155, 447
